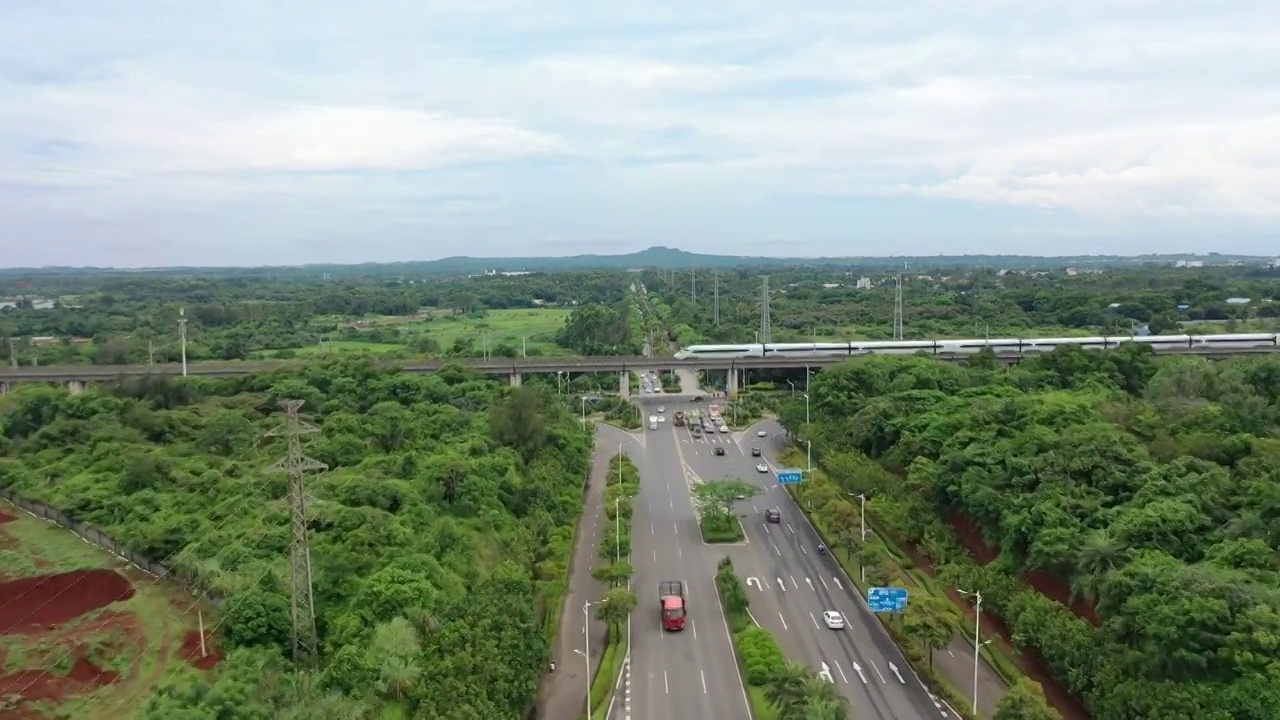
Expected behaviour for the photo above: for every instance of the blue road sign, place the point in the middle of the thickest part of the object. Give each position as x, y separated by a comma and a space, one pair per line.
887, 599
790, 476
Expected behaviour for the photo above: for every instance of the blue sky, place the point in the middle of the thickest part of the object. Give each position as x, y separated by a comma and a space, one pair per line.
241, 132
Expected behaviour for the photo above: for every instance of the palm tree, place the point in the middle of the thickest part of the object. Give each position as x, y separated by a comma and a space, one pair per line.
1101, 553
788, 689
819, 709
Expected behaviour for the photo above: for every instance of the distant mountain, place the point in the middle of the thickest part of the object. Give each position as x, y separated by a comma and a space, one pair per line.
664, 258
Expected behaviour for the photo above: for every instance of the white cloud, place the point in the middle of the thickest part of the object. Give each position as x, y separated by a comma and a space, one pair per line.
1112, 112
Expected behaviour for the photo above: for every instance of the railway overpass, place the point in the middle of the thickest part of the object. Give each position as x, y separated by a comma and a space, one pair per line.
76, 377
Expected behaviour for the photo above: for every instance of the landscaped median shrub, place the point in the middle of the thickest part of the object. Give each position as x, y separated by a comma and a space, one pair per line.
760, 655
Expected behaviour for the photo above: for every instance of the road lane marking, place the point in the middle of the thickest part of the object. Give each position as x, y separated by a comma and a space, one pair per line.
692, 626
665, 687
704, 681
794, 584
784, 621
841, 671
766, 527
676, 526
858, 669
838, 584
655, 557
650, 528
782, 585
793, 530
824, 583
810, 583
815, 621
877, 669
806, 552
776, 550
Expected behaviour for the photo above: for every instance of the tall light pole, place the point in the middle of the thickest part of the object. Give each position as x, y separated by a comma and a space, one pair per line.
808, 452
584, 412
862, 523
793, 388
806, 411
617, 514
182, 335
977, 645
559, 375
586, 655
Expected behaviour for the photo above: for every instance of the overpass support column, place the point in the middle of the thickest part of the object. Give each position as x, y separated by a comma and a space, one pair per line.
516, 380
731, 383
75, 387
4, 388
624, 384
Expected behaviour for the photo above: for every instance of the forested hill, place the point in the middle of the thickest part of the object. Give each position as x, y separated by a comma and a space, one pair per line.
655, 257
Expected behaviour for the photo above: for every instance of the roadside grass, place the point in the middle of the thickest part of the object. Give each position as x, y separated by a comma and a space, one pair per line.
331, 346
36, 547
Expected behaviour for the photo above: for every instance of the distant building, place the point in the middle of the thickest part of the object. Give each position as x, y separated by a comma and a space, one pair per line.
1238, 301
830, 286
1189, 263
864, 283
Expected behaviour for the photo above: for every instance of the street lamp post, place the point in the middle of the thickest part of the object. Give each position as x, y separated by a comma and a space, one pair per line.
977, 645
808, 453
586, 656
584, 412
862, 523
806, 412
793, 388
617, 515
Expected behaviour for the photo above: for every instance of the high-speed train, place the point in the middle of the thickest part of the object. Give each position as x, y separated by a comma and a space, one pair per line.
999, 346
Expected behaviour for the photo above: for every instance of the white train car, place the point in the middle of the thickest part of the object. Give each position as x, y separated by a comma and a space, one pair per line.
999, 346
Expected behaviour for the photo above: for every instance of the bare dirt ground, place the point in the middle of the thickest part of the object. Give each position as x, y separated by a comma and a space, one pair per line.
83, 634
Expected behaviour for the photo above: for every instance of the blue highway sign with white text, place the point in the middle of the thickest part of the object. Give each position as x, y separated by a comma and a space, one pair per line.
887, 599
790, 476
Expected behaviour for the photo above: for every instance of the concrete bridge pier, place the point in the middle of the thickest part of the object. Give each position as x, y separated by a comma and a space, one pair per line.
4, 388
516, 379
75, 387
624, 383
731, 384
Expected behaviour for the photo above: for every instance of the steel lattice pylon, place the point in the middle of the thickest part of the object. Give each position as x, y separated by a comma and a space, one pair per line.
302, 605
766, 323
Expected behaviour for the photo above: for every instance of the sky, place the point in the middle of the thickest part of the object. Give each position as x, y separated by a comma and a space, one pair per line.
145, 133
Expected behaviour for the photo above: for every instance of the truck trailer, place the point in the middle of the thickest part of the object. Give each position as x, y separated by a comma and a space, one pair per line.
671, 593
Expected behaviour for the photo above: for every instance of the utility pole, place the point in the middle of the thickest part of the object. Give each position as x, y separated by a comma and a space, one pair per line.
766, 323
693, 285
151, 353
302, 606
715, 304
182, 336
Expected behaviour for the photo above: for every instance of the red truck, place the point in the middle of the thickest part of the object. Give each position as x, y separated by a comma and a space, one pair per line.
671, 592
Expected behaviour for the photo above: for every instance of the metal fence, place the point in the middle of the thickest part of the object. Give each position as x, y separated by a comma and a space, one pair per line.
94, 536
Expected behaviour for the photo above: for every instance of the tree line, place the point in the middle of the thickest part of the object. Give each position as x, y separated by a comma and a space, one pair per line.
1120, 513
440, 533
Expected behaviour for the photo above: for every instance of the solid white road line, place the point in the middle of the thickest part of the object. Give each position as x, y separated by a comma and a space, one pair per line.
784, 621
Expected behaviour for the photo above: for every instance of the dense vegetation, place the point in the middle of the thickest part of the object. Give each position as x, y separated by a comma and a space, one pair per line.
440, 533
1145, 493
964, 302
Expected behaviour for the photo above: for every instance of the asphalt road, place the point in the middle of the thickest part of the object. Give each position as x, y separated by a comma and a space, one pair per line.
691, 673
790, 586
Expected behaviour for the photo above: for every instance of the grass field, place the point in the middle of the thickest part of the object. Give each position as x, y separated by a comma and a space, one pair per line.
83, 634
536, 326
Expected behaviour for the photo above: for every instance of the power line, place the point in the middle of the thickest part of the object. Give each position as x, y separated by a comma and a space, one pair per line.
766, 322
302, 602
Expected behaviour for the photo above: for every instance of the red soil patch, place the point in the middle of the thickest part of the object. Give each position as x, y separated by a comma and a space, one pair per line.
37, 604
190, 651
6, 517
1056, 589
36, 685
971, 537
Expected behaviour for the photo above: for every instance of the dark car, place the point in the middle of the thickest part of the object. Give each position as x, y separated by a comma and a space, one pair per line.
773, 515
718, 451
755, 452
697, 398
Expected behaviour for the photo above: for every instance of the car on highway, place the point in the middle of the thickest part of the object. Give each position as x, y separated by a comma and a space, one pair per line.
697, 398
755, 452
762, 468
718, 451
773, 515
833, 619
724, 428
761, 433
662, 409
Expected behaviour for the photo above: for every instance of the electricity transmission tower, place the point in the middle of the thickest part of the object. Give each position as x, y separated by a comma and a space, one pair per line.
897, 311
715, 303
303, 608
766, 323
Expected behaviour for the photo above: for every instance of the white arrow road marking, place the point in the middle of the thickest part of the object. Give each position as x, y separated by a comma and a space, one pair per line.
824, 583
838, 583
825, 674
841, 671
756, 582
782, 585
858, 669
810, 583
894, 669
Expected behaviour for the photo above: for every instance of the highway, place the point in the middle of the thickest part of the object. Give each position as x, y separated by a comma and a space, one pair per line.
693, 673
790, 586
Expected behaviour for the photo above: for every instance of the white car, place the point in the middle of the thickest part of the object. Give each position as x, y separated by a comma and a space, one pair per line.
662, 409
761, 433
833, 619
762, 468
